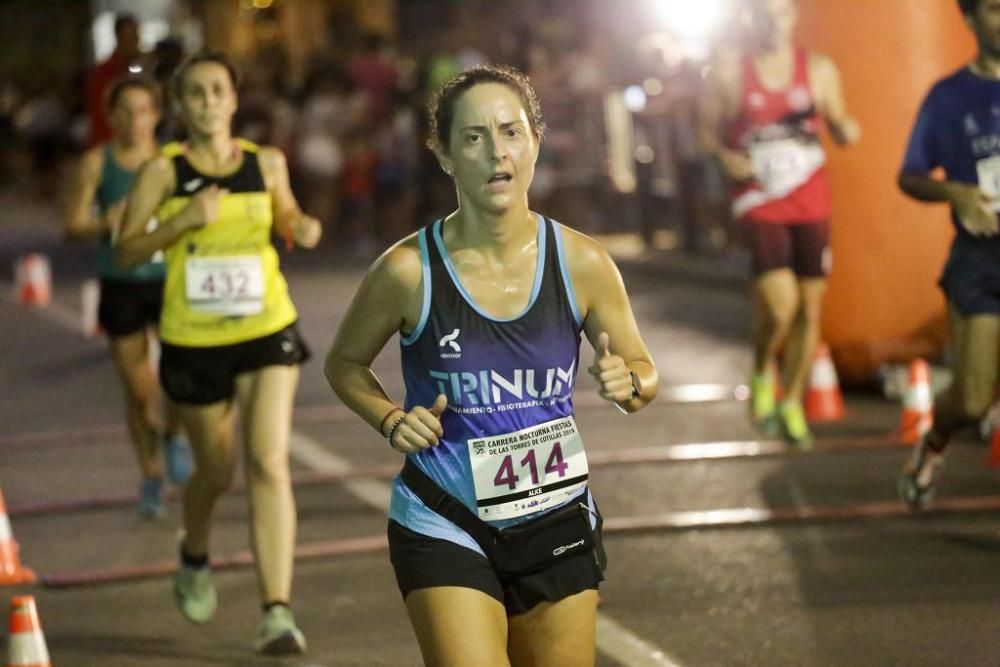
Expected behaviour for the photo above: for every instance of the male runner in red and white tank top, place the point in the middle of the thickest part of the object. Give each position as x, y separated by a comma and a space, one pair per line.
761, 116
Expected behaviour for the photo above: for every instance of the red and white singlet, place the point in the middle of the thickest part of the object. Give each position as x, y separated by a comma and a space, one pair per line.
780, 131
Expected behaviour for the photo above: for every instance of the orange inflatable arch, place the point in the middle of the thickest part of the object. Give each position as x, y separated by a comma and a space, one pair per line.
883, 303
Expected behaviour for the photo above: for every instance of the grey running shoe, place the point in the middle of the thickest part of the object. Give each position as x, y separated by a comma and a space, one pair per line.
151, 499
920, 474
194, 593
177, 456
277, 633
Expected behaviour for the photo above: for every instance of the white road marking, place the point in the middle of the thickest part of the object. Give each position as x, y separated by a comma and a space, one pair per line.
319, 459
619, 643
63, 315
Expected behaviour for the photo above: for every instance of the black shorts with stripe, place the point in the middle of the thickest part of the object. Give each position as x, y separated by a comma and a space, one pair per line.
204, 375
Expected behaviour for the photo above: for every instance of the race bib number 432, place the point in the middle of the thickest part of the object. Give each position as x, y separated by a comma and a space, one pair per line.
529, 470
225, 285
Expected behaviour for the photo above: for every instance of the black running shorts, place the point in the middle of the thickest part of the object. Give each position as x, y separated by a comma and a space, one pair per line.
204, 375
802, 247
128, 307
425, 562
971, 278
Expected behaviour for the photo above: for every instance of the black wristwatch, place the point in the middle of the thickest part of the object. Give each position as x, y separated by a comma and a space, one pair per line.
635, 394
635, 387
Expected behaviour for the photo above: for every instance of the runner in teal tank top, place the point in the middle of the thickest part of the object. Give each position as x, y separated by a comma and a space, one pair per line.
131, 299
112, 189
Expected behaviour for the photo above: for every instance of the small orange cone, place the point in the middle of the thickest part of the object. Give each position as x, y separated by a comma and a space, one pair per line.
823, 401
11, 570
33, 280
918, 404
26, 644
994, 458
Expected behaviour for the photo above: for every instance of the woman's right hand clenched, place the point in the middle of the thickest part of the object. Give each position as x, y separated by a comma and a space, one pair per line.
203, 208
419, 428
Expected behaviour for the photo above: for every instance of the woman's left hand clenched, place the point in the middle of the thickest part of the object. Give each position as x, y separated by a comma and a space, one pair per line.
307, 231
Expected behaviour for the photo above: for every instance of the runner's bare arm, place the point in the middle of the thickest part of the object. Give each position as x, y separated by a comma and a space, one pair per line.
717, 105
926, 188
829, 95
78, 220
973, 207
606, 311
154, 182
289, 220
388, 300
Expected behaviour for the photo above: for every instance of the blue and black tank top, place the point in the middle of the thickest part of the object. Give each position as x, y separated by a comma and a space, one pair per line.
501, 376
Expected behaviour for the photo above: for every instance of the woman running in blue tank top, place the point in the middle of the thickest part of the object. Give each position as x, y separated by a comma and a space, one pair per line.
494, 536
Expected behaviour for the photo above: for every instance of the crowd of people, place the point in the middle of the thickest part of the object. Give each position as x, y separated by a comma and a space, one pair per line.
352, 127
489, 301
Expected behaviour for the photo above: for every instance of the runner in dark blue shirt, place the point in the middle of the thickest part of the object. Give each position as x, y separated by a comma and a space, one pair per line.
493, 534
958, 131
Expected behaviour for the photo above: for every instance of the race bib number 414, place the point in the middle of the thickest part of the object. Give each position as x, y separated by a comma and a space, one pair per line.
225, 285
529, 470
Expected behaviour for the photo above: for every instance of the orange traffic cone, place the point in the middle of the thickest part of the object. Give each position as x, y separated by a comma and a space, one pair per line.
33, 280
823, 401
11, 570
994, 458
918, 404
26, 645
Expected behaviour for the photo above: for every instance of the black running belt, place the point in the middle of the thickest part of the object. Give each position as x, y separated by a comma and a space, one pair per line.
448, 506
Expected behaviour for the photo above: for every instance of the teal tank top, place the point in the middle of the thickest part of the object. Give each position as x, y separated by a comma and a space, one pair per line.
114, 186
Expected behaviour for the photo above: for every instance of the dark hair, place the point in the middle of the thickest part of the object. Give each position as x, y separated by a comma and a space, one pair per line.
968, 7
129, 82
122, 20
441, 107
217, 57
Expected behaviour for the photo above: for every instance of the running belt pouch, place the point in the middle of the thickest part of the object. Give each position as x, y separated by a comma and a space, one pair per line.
522, 549
543, 541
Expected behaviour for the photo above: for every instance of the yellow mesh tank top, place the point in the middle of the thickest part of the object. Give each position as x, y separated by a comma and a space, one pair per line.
223, 283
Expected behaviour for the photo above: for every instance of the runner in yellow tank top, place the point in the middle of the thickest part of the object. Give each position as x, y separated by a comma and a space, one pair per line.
228, 329
223, 284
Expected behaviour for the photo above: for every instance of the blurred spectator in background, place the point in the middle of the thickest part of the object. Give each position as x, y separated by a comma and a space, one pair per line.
397, 147
44, 124
331, 108
695, 217
9, 100
167, 55
373, 72
266, 115
442, 65
126, 53
357, 225
656, 153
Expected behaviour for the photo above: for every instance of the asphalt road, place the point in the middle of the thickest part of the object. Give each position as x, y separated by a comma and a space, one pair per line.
718, 555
